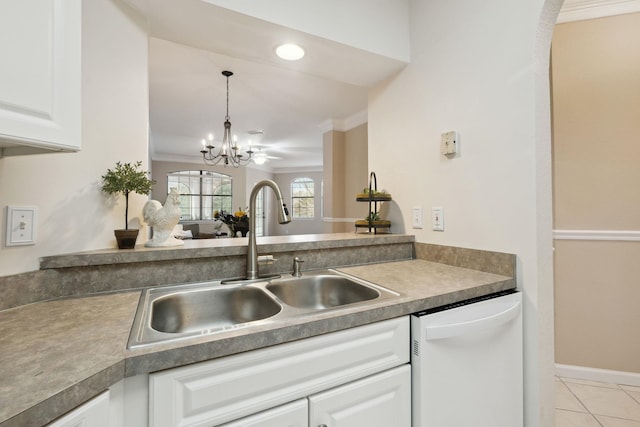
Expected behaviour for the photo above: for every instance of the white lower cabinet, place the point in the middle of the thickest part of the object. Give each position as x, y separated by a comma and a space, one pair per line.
294, 414
94, 413
381, 400
347, 378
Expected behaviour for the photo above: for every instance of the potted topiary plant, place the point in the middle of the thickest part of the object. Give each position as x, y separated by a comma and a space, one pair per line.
126, 178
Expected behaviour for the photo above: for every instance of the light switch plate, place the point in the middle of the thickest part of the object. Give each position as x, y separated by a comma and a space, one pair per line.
417, 217
21, 225
437, 219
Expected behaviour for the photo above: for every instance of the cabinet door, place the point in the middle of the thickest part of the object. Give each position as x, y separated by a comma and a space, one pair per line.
229, 388
381, 400
40, 86
94, 413
294, 414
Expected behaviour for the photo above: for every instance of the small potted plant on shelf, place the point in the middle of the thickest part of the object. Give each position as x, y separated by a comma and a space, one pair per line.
126, 178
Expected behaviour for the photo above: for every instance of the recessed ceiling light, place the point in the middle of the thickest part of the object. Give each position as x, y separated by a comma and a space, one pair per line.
290, 51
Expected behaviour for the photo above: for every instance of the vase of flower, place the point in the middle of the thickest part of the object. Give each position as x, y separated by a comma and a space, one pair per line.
238, 221
243, 227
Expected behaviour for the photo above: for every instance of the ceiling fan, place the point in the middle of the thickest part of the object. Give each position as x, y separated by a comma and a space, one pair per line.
260, 157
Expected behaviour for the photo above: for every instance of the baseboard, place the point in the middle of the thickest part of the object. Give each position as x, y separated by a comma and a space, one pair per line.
595, 374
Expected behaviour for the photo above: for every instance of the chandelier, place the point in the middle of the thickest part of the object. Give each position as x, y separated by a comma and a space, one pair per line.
229, 150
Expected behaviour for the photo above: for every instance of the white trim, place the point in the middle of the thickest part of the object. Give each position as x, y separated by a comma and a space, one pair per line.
355, 120
596, 374
348, 123
299, 169
177, 158
606, 235
578, 10
331, 219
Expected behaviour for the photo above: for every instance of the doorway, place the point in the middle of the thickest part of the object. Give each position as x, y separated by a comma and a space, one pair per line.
595, 80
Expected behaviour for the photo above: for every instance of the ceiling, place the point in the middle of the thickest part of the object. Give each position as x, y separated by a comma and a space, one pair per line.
293, 103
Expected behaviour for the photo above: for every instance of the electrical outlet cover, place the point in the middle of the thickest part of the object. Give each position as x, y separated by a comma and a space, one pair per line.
449, 143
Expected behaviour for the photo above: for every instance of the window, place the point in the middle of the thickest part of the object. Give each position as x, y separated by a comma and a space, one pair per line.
302, 198
201, 193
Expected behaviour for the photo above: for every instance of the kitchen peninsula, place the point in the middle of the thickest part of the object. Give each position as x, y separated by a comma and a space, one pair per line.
61, 352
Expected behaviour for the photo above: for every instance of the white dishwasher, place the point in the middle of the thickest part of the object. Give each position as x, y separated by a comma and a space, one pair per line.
467, 364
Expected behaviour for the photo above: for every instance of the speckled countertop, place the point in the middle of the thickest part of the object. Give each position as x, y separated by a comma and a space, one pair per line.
57, 354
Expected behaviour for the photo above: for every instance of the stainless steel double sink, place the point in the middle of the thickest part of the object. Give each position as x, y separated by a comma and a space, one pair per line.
177, 312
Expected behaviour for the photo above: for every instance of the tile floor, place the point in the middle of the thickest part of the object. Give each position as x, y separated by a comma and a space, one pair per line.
582, 403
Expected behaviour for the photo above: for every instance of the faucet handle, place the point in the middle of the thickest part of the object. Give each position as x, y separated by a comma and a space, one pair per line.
297, 263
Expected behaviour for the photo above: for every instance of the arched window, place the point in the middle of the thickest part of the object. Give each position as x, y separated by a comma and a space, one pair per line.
201, 193
302, 198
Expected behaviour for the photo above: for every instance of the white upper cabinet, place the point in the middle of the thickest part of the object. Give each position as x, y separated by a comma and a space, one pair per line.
40, 76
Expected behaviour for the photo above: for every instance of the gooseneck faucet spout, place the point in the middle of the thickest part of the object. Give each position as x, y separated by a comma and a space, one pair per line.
283, 218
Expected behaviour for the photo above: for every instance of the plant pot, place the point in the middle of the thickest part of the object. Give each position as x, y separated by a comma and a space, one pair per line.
242, 227
126, 238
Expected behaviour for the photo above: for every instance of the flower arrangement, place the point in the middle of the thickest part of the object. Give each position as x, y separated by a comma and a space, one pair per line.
238, 221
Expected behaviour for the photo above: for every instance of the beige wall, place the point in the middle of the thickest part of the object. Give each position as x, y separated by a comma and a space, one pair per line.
345, 158
333, 170
596, 110
356, 173
597, 304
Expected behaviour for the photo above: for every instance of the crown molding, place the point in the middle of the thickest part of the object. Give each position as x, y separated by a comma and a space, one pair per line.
177, 158
343, 125
579, 10
301, 169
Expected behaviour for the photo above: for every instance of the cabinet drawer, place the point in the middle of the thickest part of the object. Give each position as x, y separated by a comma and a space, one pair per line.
221, 390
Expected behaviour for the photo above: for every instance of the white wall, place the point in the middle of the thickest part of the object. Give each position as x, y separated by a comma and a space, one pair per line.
73, 214
379, 26
477, 68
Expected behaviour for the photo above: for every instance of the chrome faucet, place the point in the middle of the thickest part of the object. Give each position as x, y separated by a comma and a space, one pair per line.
283, 218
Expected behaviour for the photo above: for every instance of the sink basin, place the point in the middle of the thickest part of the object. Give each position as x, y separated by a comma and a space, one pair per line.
170, 313
200, 309
321, 291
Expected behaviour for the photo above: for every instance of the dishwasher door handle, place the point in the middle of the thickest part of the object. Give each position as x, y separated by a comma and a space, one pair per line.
435, 332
